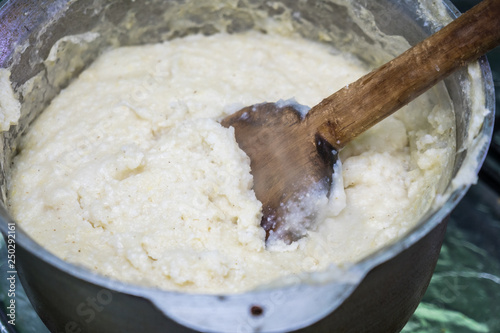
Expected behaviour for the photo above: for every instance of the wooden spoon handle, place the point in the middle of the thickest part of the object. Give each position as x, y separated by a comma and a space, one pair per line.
350, 111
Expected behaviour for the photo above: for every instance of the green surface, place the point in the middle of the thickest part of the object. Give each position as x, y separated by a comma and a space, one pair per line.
464, 293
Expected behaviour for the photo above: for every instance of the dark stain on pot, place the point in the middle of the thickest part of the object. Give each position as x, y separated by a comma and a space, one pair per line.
256, 310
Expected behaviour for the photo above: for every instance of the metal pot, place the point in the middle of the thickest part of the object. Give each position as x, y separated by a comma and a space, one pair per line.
377, 294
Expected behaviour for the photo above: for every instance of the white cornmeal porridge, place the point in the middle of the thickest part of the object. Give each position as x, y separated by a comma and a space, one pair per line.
129, 173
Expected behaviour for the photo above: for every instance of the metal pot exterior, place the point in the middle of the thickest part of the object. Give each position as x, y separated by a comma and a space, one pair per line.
68, 304
386, 287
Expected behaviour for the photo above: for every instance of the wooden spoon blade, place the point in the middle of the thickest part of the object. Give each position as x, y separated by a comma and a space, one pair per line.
292, 169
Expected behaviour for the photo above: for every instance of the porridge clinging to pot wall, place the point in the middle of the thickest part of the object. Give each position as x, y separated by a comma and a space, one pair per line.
129, 173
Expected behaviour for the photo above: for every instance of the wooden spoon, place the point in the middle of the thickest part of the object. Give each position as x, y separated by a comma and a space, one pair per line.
292, 153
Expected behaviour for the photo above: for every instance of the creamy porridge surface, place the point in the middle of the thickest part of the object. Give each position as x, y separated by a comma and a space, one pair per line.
129, 173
